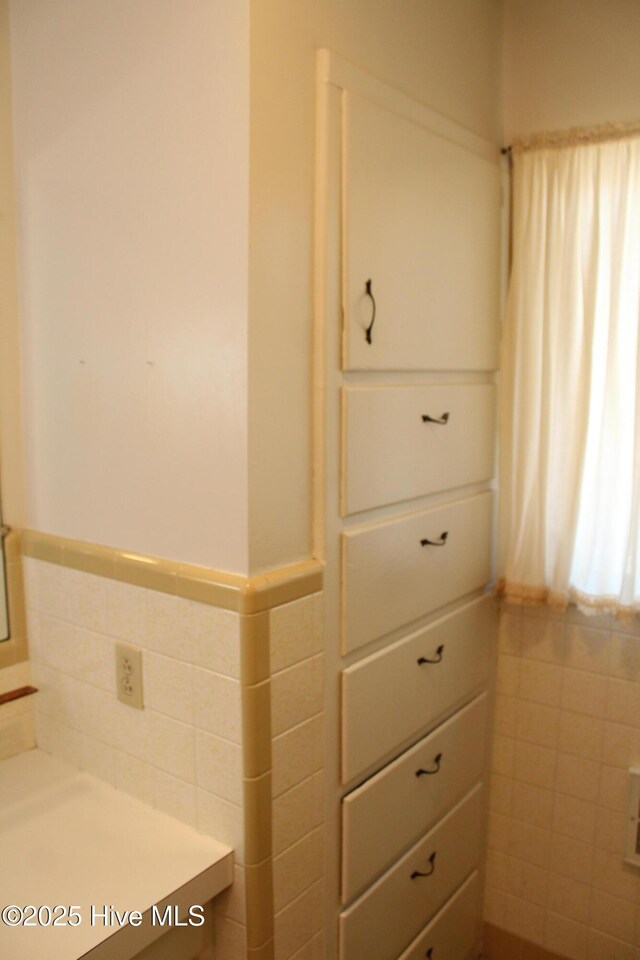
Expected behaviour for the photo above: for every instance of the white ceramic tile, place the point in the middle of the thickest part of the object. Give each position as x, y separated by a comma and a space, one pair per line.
502, 757
175, 797
588, 649
294, 629
99, 760
297, 868
625, 657
173, 746
577, 777
53, 595
585, 693
217, 704
527, 882
529, 843
569, 898
571, 858
499, 832
581, 735
297, 754
31, 576
132, 729
537, 723
168, 686
612, 915
543, 639
497, 869
575, 818
614, 877
167, 625
524, 919
294, 926
231, 902
541, 682
534, 764
134, 777
87, 599
623, 702
510, 633
508, 675
96, 659
613, 788
230, 939
600, 945
531, 804
126, 605
219, 766
500, 794
216, 638
494, 901
296, 694
222, 820
506, 715
565, 937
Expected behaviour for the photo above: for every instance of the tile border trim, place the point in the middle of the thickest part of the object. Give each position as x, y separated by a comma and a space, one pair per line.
230, 591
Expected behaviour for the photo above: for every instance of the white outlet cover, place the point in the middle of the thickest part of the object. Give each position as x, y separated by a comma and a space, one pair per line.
129, 675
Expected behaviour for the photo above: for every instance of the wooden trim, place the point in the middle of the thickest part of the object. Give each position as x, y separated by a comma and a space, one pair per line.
230, 591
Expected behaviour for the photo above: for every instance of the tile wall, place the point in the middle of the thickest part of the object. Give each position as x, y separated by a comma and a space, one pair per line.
297, 726
187, 753
567, 728
182, 754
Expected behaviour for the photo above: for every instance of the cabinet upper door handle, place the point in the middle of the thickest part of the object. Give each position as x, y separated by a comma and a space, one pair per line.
436, 543
432, 867
436, 659
443, 419
369, 292
429, 773
429, 953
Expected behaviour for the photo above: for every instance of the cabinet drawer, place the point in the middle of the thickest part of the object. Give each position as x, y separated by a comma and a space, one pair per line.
422, 223
455, 930
391, 453
385, 919
394, 572
391, 810
389, 696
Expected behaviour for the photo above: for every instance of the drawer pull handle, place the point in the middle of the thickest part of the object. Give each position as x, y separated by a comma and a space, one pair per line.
444, 419
436, 659
429, 773
429, 953
432, 867
436, 543
369, 292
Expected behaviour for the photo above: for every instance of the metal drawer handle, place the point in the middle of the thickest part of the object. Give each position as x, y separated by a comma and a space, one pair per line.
429, 953
429, 773
436, 659
432, 867
436, 543
444, 419
369, 293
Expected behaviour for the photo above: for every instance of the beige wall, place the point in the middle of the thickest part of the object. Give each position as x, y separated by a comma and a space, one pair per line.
445, 54
131, 136
570, 63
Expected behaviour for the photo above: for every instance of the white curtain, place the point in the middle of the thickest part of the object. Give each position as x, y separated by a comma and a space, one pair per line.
570, 415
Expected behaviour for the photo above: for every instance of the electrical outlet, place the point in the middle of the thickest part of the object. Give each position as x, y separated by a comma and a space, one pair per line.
129, 674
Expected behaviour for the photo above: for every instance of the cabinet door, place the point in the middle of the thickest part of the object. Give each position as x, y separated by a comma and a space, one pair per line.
455, 931
421, 222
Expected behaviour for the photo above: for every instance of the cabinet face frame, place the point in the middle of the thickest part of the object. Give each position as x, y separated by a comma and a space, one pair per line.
334, 79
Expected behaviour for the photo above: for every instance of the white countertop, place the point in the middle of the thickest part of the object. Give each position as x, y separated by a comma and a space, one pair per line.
69, 839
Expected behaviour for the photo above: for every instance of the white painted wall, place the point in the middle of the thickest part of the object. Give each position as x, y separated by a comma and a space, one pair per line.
570, 63
446, 54
131, 138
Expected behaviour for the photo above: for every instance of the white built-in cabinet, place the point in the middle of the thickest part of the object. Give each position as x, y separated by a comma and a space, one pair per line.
408, 278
